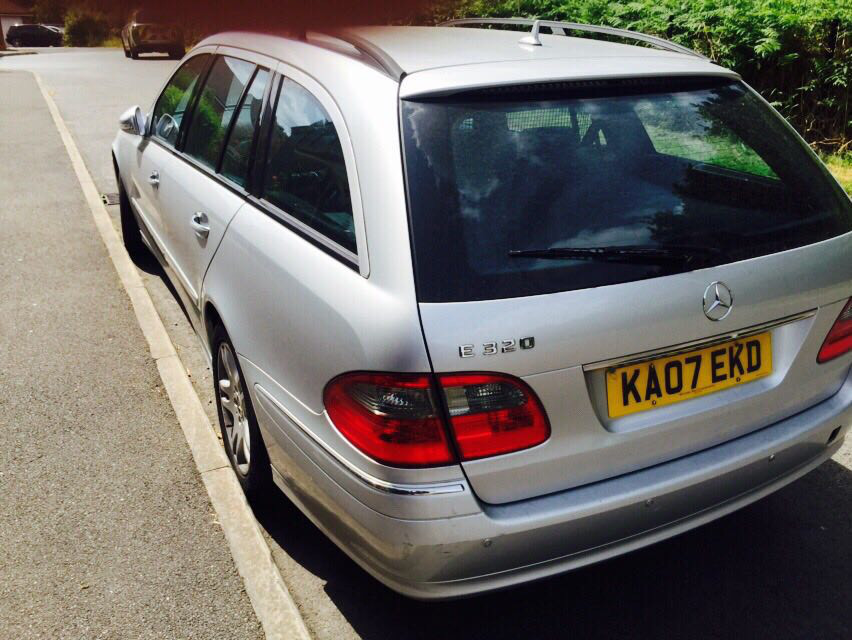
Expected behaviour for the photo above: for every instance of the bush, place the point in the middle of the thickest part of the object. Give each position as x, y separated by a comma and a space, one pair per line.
85, 28
49, 11
796, 53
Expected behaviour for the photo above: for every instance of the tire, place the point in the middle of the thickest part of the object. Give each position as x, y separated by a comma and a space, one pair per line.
124, 46
177, 53
15, 42
134, 52
130, 232
237, 420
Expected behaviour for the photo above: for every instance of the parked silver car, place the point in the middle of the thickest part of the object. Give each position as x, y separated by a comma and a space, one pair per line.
490, 309
147, 31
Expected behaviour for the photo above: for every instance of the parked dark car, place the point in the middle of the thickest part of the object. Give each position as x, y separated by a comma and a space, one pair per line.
33, 35
149, 32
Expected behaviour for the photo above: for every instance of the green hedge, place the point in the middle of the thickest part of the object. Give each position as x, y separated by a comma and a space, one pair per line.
796, 53
85, 28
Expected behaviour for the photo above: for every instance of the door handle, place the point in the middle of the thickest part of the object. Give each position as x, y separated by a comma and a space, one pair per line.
154, 179
200, 224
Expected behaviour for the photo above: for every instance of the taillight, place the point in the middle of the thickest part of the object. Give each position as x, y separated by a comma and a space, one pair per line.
491, 414
395, 418
839, 339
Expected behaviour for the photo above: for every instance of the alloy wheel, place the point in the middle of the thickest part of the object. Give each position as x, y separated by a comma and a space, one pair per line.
232, 399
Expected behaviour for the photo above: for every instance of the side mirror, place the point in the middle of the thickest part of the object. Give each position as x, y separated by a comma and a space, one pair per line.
133, 122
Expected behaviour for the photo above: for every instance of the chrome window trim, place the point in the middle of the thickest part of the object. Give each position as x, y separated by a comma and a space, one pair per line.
204, 169
395, 488
303, 229
685, 347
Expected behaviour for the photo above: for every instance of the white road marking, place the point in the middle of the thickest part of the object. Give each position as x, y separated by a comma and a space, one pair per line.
266, 589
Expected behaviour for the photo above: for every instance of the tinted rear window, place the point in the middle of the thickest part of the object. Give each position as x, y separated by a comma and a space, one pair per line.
704, 170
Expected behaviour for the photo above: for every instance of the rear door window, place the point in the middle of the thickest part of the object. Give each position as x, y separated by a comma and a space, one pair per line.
216, 107
565, 187
306, 172
238, 151
176, 98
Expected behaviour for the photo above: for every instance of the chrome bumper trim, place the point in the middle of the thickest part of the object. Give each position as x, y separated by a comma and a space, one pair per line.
393, 488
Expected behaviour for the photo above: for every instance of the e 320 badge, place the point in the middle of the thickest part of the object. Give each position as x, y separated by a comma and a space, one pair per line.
495, 347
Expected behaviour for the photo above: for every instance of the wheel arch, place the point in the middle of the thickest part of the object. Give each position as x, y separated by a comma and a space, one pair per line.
211, 319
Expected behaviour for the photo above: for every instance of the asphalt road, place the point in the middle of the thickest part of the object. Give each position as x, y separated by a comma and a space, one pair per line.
781, 568
106, 530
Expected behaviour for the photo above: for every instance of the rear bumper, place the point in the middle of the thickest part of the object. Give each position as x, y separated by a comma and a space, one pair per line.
158, 45
503, 545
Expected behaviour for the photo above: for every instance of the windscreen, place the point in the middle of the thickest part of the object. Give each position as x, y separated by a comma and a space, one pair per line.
539, 189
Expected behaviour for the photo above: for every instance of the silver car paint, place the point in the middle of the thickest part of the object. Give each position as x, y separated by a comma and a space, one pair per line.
298, 317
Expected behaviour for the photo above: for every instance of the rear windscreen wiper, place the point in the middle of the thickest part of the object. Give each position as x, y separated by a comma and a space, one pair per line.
628, 253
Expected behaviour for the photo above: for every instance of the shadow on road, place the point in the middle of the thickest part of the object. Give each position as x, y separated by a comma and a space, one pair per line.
781, 568
147, 263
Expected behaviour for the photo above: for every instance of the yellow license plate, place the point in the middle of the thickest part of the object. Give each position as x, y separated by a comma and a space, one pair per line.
657, 383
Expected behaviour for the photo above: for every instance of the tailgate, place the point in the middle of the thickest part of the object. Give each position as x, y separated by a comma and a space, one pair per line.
575, 330
574, 234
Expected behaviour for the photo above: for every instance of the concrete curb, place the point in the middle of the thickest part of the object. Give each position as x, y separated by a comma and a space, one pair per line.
269, 596
4, 54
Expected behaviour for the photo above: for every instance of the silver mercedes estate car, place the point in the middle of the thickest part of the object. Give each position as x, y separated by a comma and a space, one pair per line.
489, 303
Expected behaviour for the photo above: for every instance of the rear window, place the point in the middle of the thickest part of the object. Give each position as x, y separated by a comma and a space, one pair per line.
543, 189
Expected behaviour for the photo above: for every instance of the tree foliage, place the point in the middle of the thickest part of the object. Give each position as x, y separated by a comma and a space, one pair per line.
50, 11
85, 27
796, 53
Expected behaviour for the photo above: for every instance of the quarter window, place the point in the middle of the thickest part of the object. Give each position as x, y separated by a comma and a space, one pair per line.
238, 151
216, 107
175, 99
306, 173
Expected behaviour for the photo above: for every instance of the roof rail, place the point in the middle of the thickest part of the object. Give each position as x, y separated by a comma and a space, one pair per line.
385, 62
559, 28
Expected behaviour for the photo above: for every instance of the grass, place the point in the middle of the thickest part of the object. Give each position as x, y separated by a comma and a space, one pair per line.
841, 167
113, 41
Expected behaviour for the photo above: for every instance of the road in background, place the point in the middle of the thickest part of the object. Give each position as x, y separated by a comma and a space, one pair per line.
105, 527
777, 569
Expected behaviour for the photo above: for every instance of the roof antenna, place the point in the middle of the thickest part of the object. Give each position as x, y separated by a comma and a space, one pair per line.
532, 39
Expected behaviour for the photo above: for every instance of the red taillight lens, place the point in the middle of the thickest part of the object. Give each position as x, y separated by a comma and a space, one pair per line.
492, 414
396, 419
839, 339
392, 418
